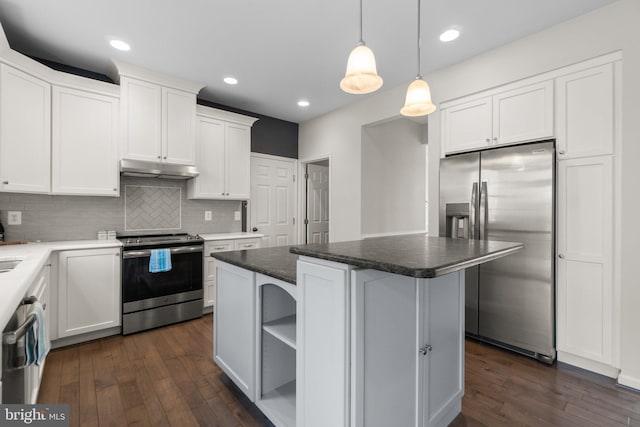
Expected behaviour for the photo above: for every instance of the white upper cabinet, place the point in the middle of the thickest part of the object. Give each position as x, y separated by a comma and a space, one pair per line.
223, 153
520, 112
25, 132
585, 112
523, 114
84, 143
467, 126
158, 115
179, 122
141, 114
238, 152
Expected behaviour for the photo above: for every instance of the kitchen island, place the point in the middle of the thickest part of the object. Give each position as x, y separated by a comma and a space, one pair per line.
370, 334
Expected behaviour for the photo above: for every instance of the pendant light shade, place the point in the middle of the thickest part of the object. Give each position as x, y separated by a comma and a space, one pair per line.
361, 76
418, 100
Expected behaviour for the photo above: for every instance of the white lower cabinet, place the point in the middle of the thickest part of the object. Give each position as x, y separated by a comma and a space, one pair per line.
584, 264
88, 290
406, 358
235, 326
209, 284
33, 373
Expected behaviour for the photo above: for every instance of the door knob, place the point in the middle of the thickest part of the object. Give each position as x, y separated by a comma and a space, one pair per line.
254, 229
560, 255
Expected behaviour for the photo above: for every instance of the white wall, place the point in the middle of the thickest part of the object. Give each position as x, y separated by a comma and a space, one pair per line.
611, 28
393, 177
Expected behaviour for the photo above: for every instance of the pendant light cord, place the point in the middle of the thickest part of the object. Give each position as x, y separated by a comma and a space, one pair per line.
419, 68
361, 41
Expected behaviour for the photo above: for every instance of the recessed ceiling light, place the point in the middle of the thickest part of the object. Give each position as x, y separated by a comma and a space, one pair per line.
120, 45
303, 103
449, 35
231, 80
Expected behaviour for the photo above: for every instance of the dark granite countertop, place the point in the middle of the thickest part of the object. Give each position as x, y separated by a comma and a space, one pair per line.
276, 262
414, 255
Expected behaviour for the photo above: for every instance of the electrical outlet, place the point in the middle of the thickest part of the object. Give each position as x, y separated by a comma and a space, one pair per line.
208, 216
236, 216
14, 217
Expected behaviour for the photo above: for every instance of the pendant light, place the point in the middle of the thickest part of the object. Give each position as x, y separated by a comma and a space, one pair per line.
361, 76
418, 100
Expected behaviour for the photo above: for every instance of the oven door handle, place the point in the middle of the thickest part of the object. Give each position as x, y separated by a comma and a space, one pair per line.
147, 252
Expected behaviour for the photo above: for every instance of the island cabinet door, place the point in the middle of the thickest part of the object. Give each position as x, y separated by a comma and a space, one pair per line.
322, 344
441, 351
234, 326
406, 349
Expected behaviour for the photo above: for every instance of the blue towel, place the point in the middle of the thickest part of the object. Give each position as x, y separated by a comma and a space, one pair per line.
37, 343
160, 260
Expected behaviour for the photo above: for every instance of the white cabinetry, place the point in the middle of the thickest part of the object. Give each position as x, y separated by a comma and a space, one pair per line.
516, 113
210, 247
88, 290
25, 132
235, 326
423, 343
33, 374
584, 264
223, 152
587, 323
276, 350
84, 143
159, 122
322, 333
585, 112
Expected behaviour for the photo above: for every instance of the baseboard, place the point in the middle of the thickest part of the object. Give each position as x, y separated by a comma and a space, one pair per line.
90, 336
628, 381
589, 365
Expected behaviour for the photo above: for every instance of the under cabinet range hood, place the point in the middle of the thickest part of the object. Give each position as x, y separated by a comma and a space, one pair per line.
141, 168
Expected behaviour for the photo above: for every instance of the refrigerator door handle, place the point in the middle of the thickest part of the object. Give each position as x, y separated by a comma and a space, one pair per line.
472, 213
484, 211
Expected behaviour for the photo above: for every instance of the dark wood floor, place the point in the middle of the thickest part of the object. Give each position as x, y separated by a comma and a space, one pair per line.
166, 377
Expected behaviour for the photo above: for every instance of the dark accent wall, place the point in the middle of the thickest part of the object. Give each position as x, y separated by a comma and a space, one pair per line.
268, 135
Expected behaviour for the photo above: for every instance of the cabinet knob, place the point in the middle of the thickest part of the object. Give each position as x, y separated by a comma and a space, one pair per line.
488, 140
165, 157
5, 182
561, 151
222, 194
254, 229
495, 139
115, 189
159, 157
425, 349
561, 256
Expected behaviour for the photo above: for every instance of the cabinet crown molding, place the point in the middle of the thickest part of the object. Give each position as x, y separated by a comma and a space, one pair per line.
227, 116
120, 69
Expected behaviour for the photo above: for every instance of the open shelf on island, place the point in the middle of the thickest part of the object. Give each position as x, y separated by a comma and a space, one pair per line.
281, 403
283, 329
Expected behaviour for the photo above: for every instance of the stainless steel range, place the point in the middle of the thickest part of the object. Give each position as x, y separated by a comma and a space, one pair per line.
153, 297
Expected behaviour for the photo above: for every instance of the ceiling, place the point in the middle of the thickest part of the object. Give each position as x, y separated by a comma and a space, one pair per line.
279, 50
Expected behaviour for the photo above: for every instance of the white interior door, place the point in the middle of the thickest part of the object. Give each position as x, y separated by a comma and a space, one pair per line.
272, 199
317, 203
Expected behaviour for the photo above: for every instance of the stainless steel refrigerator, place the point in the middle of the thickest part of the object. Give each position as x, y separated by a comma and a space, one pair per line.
506, 194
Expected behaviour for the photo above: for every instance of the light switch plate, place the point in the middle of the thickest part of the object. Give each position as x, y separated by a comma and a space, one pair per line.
15, 217
236, 216
208, 216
